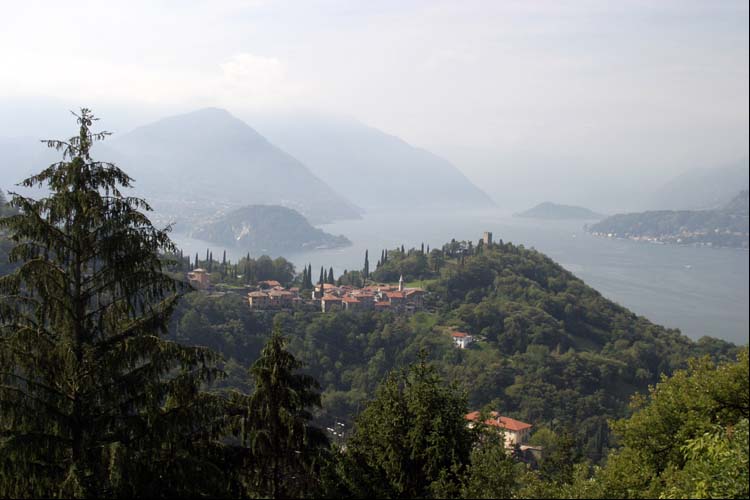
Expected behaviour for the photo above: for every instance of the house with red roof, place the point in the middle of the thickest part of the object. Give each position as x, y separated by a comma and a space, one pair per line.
461, 339
514, 431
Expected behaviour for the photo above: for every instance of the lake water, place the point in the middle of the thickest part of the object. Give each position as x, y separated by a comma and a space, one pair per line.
701, 291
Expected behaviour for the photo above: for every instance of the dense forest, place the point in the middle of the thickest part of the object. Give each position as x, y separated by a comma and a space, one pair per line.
118, 380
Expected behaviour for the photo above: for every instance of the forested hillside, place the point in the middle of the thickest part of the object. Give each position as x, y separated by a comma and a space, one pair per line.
553, 351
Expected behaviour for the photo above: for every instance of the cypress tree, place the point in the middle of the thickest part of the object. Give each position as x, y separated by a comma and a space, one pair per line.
330, 276
322, 276
208, 255
366, 272
196, 259
210, 262
93, 402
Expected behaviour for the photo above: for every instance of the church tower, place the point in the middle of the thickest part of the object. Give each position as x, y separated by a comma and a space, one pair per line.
401, 283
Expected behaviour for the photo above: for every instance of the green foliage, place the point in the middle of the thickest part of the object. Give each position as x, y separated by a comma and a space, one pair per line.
411, 440
277, 427
93, 402
688, 437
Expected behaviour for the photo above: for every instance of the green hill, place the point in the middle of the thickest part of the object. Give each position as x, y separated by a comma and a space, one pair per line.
549, 210
727, 226
266, 229
551, 350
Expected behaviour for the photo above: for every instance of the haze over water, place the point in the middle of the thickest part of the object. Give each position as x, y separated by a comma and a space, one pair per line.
700, 290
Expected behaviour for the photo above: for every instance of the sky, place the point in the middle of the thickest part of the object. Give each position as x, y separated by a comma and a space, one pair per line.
629, 92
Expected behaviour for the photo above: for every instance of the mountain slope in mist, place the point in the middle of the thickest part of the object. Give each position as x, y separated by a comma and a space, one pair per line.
374, 169
211, 157
702, 189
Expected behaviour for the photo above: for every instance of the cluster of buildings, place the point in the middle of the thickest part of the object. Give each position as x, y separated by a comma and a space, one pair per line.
329, 297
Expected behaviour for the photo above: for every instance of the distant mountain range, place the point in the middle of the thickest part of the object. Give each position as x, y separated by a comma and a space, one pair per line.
702, 188
727, 226
210, 158
266, 229
548, 210
375, 169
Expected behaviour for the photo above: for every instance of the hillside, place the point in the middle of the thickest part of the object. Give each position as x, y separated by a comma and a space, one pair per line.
266, 229
701, 189
727, 226
556, 211
551, 350
206, 160
381, 170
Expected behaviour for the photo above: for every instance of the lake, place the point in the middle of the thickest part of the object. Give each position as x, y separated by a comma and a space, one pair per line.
700, 290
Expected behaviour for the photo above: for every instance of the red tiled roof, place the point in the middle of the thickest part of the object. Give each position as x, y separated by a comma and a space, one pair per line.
498, 420
395, 295
331, 298
460, 334
350, 300
271, 283
382, 304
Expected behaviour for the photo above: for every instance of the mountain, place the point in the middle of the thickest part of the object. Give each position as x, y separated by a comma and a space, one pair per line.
376, 169
266, 229
549, 210
702, 189
727, 226
740, 204
208, 160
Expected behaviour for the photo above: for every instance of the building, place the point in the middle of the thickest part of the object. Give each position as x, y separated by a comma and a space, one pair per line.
199, 278
350, 303
330, 302
461, 339
259, 300
515, 432
487, 238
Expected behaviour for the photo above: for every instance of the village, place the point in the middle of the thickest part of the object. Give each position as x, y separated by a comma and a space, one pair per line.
272, 295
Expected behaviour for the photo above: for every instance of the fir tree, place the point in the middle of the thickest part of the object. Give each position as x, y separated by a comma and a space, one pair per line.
93, 402
286, 446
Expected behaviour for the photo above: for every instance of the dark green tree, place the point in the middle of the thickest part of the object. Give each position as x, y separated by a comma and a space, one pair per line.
330, 277
93, 402
366, 270
279, 434
411, 441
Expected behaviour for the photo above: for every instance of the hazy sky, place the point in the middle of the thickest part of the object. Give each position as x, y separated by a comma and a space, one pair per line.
594, 87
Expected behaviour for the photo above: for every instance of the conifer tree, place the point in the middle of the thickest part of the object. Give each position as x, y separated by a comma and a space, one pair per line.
366, 271
330, 276
196, 260
322, 276
287, 447
93, 402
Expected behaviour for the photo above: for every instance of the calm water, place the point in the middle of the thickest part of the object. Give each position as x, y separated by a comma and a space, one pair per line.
702, 291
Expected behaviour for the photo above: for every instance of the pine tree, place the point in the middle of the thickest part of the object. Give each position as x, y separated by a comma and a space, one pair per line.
93, 402
286, 445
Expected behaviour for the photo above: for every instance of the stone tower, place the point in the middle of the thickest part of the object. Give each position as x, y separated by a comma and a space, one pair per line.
487, 238
401, 283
